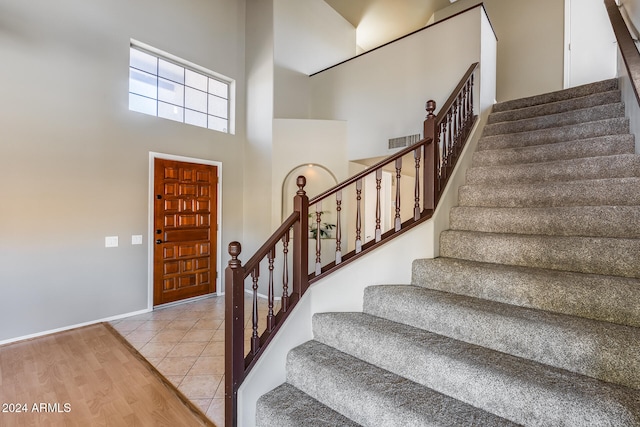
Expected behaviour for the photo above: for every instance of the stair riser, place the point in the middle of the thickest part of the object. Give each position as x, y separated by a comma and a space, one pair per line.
516, 389
600, 112
614, 192
602, 146
609, 221
372, 396
621, 166
595, 255
579, 91
605, 298
554, 135
287, 406
556, 107
600, 350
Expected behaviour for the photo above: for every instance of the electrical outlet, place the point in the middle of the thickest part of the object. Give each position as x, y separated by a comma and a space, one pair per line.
136, 239
111, 242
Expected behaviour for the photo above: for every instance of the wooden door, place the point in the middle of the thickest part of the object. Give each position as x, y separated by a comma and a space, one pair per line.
185, 226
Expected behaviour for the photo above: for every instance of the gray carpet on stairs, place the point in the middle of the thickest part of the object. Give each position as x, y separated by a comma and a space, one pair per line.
531, 316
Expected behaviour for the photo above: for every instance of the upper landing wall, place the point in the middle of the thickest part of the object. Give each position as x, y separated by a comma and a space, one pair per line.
382, 93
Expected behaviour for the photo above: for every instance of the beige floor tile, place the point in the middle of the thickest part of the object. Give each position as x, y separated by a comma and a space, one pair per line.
183, 324
169, 335
127, 325
202, 404
176, 365
198, 335
200, 386
212, 324
156, 349
214, 348
208, 365
154, 325
216, 412
218, 336
220, 392
141, 335
187, 349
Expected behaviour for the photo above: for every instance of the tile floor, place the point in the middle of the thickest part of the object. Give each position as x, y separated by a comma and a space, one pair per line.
185, 342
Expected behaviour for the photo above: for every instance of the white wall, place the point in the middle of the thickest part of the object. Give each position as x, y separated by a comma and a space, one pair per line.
530, 44
309, 36
74, 159
633, 9
300, 142
382, 94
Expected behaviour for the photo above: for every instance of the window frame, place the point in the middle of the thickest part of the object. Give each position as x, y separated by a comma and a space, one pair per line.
185, 67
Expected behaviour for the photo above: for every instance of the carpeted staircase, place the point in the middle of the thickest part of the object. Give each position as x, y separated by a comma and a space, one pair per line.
530, 316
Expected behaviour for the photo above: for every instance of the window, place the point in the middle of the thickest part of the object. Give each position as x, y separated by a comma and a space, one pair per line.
164, 86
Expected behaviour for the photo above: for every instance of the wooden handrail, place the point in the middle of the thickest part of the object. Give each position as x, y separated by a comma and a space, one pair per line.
368, 170
433, 158
449, 102
627, 47
270, 243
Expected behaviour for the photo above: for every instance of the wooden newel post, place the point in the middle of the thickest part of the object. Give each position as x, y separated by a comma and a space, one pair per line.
234, 333
430, 157
301, 241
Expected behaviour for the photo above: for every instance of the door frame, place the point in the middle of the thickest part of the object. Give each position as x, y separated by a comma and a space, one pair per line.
150, 220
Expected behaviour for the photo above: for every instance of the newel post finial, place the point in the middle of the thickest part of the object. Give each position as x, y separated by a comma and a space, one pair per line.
430, 107
301, 181
234, 250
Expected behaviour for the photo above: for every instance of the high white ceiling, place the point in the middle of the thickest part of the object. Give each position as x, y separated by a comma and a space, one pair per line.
380, 21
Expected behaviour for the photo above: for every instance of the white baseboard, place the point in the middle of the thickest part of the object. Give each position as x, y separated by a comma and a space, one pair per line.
250, 292
78, 325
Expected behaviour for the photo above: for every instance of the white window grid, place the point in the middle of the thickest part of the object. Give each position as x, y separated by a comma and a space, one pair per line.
164, 87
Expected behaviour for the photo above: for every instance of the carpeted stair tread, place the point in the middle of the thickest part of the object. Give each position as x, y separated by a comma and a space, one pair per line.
566, 118
591, 147
597, 221
560, 95
599, 98
521, 390
595, 255
286, 406
573, 132
607, 298
601, 350
596, 192
617, 166
372, 396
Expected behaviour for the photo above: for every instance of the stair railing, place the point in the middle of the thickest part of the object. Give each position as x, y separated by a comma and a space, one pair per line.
628, 49
430, 164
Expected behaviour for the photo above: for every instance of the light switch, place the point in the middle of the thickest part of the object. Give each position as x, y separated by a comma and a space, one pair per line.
111, 242
136, 239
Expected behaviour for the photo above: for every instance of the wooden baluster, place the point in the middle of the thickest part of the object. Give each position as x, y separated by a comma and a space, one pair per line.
358, 215
378, 205
416, 207
285, 273
270, 317
318, 244
398, 221
255, 339
234, 332
338, 227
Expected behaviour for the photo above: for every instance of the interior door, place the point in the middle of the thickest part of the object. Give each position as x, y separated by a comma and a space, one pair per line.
185, 225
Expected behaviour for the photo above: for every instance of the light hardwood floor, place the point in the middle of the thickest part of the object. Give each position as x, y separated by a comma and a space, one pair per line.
86, 377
